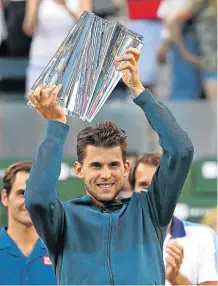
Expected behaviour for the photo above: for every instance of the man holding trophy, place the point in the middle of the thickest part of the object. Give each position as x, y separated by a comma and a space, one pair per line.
102, 238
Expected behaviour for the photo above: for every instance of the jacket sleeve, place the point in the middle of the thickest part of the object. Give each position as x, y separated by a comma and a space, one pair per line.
175, 162
46, 211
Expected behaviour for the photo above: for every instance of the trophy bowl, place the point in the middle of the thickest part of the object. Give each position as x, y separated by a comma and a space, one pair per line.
84, 65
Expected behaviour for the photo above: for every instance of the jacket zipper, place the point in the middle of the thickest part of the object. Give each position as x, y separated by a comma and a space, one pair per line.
108, 252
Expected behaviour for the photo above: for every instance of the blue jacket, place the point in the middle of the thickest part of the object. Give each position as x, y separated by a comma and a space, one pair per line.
122, 243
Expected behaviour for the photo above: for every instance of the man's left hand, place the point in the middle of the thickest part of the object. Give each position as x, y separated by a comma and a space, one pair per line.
130, 70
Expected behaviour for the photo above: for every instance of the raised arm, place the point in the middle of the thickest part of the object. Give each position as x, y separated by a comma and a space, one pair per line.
178, 150
31, 16
175, 162
41, 199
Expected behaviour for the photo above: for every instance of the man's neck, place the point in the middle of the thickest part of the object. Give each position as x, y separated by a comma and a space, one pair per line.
24, 236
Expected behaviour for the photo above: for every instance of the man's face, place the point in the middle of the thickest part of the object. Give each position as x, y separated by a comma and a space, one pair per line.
17, 213
103, 172
143, 176
126, 184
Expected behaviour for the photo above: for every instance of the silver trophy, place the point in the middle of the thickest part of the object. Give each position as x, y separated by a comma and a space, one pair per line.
84, 66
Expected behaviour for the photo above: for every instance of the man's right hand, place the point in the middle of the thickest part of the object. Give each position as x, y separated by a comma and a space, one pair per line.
44, 100
174, 259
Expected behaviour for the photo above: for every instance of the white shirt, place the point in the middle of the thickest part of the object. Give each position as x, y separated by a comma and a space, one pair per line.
200, 252
54, 23
167, 7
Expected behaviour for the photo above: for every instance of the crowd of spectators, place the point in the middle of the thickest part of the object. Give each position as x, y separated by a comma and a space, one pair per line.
181, 34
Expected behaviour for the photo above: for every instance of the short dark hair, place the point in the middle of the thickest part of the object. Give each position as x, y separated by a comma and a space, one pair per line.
106, 134
12, 170
149, 158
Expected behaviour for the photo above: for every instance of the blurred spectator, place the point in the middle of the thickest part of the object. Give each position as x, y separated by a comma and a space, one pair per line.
3, 29
143, 170
18, 43
23, 257
185, 77
49, 21
111, 10
190, 250
210, 219
197, 264
204, 16
103, 8
132, 157
143, 19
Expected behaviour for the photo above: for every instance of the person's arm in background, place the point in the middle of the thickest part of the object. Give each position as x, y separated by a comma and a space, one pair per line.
162, 12
206, 261
31, 16
174, 254
180, 279
162, 51
164, 45
85, 5
174, 22
174, 257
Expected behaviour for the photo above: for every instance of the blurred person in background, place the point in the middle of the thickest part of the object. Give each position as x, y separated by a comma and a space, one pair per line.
190, 249
203, 13
23, 256
126, 188
111, 10
186, 82
190, 254
18, 43
49, 22
210, 219
3, 28
143, 19
106, 9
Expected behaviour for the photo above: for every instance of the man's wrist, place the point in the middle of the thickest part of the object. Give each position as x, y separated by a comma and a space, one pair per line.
137, 91
61, 120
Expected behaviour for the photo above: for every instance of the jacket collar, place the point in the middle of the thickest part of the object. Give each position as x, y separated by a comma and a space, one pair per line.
177, 228
114, 205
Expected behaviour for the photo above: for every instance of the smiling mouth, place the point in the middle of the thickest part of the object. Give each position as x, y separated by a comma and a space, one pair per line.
105, 186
